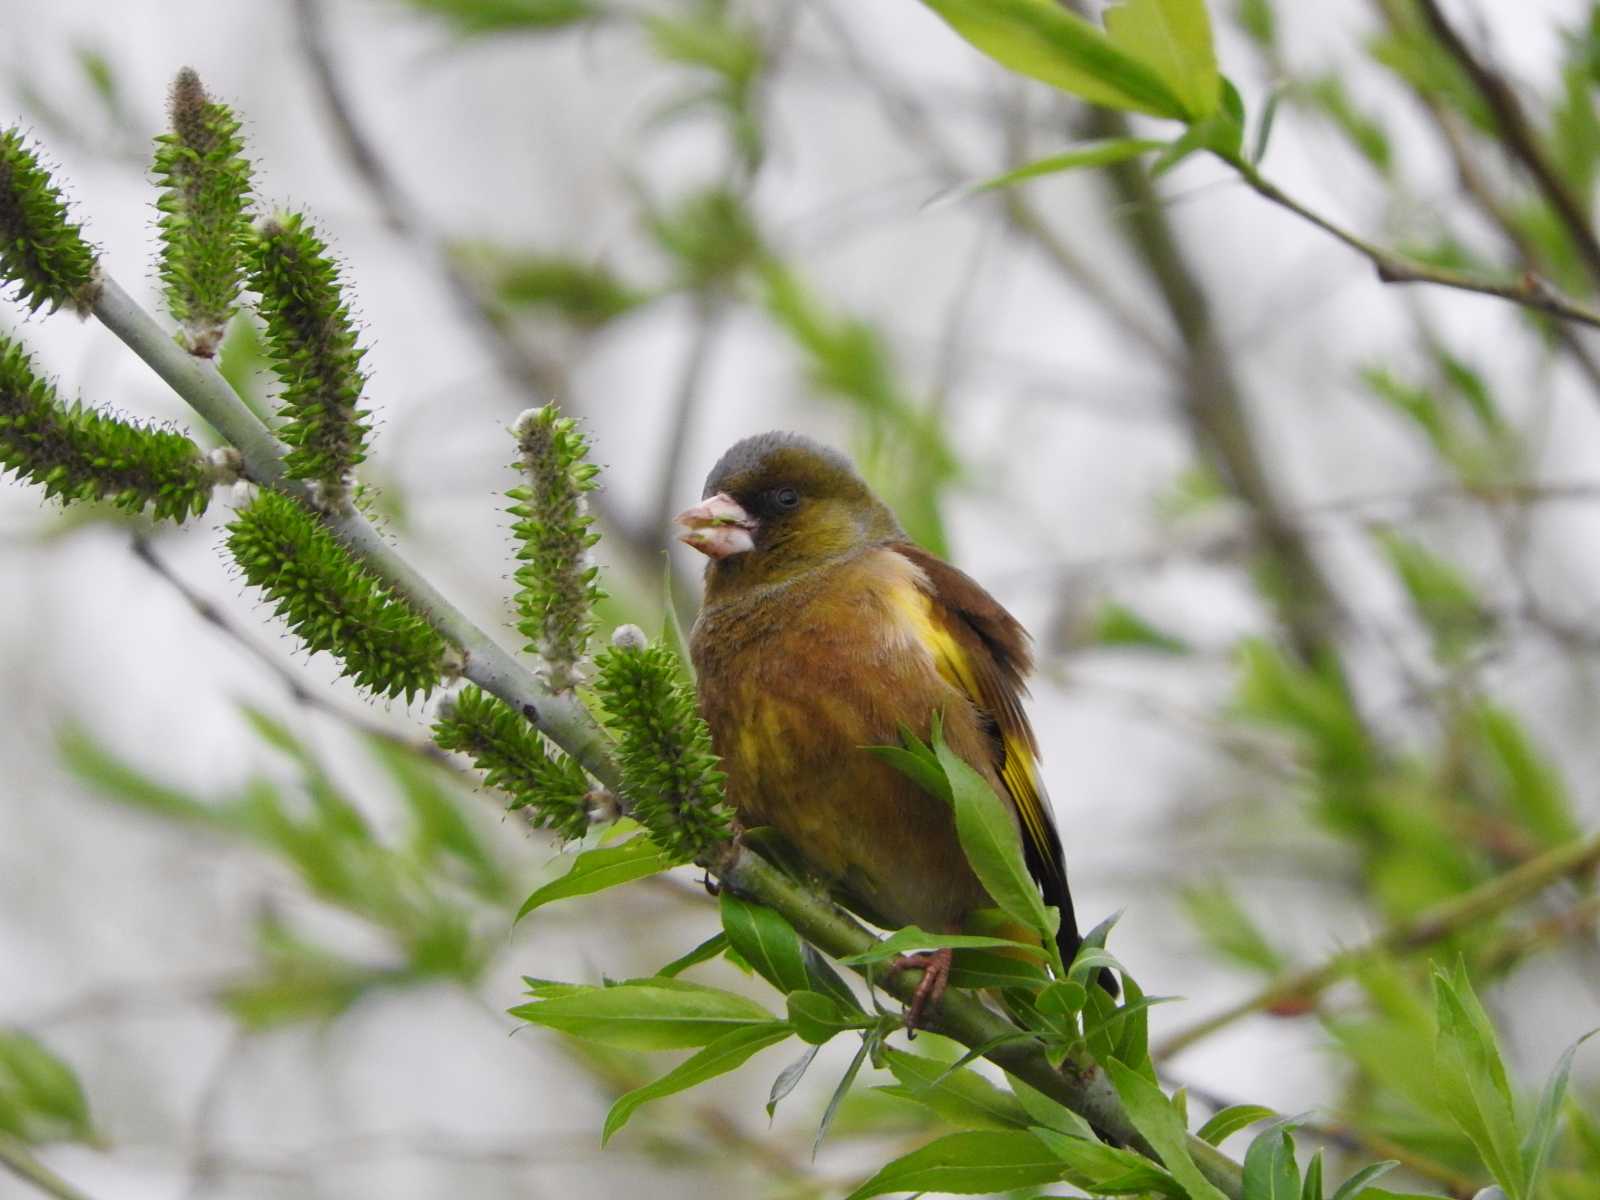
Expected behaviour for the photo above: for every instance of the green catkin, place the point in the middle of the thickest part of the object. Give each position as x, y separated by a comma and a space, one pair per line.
331, 602
550, 786
77, 453
205, 194
311, 341
670, 775
41, 251
557, 580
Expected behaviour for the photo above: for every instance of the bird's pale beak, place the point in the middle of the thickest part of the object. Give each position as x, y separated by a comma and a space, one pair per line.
718, 527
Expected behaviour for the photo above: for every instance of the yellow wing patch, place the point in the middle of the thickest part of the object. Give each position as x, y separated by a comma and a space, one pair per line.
1018, 769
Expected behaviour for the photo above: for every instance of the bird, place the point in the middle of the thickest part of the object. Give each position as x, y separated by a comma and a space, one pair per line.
825, 630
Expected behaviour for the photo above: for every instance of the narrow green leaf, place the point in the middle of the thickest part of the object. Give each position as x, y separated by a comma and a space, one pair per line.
839, 1093
1041, 39
1232, 1119
657, 1014
974, 1163
718, 1058
990, 969
1472, 1079
962, 1097
1153, 1115
789, 1078
1107, 1170
766, 941
1051, 1114
921, 769
1313, 1185
912, 939
704, 952
1091, 154
598, 869
1351, 1188
1536, 1147
993, 845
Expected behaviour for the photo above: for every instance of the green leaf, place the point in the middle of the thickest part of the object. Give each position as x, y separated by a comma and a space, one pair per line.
1107, 1170
598, 869
1270, 1171
1091, 154
912, 939
1172, 38
990, 969
704, 952
1351, 1188
917, 764
818, 1017
868, 1043
1154, 1116
1536, 1146
1313, 1185
1119, 625
789, 1078
962, 1097
1222, 921
1042, 40
989, 836
40, 1097
766, 941
718, 1058
1051, 1114
974, 1163
1472, 1079
655, 1014
1232, 1119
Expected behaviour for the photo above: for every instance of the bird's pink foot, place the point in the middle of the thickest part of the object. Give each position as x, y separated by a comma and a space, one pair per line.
935, 968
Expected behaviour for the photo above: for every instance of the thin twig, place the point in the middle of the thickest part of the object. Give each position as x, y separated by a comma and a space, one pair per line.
1415, 933
539, 377
1529, 291
20, 1161
1518, 137
318, 699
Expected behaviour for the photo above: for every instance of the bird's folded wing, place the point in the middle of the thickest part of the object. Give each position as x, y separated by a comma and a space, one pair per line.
984, 651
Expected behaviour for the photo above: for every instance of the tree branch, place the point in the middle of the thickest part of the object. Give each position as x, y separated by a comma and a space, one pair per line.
487, 664
1433, 925
16, 1158
1530, 291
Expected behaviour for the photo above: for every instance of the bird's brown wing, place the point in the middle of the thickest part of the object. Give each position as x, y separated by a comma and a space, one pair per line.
987, 654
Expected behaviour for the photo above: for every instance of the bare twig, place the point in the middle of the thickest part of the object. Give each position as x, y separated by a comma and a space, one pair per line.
1529, 291
1518, 137
303, 695
1430, 926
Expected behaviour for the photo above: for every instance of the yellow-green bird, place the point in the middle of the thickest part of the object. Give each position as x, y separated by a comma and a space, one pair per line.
823, 631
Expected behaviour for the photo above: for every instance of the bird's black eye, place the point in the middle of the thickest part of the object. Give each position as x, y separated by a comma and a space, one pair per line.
786, 498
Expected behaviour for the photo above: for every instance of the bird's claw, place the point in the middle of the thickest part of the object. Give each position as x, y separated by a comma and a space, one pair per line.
935, 968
